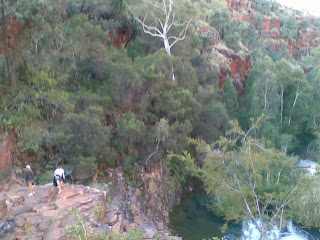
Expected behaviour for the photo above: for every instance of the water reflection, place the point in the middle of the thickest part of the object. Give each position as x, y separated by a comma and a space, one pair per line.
192, 221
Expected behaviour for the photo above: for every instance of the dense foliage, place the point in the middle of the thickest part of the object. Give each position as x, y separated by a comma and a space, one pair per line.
247, 180
82, 84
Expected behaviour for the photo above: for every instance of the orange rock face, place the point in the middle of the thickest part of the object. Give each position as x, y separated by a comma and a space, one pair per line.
5, 153
13, 28
275, 22
245, 17
239, 4
122, 36
239, 70
266, 24
305, 42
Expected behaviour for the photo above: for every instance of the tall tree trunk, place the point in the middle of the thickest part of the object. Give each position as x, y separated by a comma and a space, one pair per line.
281, 110
266, 96
293, 105
168, 50
9, 66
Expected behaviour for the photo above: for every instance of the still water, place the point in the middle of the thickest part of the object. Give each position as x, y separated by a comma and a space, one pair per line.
192, 221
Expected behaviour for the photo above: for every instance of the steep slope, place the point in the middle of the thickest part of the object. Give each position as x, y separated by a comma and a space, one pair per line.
224, 61
271, 26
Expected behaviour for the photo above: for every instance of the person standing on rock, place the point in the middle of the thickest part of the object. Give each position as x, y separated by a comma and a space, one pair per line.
59, 175
30, 180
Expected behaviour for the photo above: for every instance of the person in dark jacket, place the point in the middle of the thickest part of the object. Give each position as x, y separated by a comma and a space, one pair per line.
30, 180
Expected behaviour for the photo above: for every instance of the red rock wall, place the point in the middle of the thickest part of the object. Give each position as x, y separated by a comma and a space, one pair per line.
305, 42
275, 22
122, 36
238, 67
266, 24
5, 154
6, 147
14, 26
239, 4
245, 17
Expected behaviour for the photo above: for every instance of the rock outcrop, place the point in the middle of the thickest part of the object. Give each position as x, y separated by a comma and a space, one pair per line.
224, 61
45, 215
246, 10
122, 36
35, 217
13, 28
7, 145
146, 205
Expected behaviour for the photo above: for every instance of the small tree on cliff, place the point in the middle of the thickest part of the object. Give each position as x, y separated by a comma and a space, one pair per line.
168, 20
162, 19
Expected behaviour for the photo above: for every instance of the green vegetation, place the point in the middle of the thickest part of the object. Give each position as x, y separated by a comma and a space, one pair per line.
82, 84
99, 212
82, 232
247, 180
305, 209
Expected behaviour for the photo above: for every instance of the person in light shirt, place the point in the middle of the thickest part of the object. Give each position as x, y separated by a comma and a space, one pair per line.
59, 175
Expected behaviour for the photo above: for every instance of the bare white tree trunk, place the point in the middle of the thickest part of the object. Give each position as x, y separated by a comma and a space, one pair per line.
162, 26
298, 92
266, 96
281, 110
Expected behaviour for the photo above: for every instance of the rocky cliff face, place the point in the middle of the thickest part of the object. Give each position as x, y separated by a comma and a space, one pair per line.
45, 215
7, 146
224, 61
148, 203
246, 10
13, 28
122, 36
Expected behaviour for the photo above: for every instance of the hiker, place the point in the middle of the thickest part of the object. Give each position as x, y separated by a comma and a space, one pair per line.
59, 175
30, 180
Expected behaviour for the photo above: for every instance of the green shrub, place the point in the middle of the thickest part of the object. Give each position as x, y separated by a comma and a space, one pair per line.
306, 208
99, 212
46, 177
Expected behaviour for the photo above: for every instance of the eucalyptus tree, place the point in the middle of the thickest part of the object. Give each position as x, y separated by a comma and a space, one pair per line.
300, 84
248, 180
168, 20
264, 88
283, 71
163, 19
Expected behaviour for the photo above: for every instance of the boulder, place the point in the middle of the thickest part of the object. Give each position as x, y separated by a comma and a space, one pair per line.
111, 218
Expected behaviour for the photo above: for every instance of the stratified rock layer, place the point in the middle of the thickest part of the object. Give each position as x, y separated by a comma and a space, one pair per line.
45, 215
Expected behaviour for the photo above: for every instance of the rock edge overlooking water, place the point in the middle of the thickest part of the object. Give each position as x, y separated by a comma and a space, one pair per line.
45, 215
